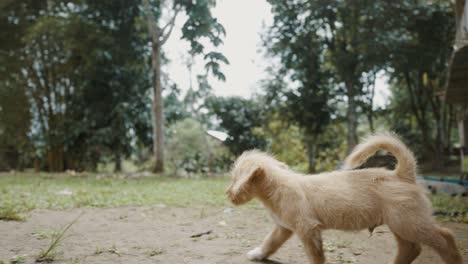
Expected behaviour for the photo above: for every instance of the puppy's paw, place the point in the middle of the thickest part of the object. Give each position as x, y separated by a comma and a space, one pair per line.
256, 254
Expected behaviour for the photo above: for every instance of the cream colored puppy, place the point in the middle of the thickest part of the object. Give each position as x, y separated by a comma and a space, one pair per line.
345, 200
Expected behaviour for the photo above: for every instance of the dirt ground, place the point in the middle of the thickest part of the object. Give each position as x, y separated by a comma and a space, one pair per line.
162, 234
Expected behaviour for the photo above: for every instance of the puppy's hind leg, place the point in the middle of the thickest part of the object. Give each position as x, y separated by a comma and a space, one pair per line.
429, 233
407, 251
312, 240
272, 242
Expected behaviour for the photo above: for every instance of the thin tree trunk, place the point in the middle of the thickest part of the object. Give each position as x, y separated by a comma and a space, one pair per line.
157, 108
351, 116
118, 161
418, 110
158, 117
370, 114
311, 148
448, 134
55, 159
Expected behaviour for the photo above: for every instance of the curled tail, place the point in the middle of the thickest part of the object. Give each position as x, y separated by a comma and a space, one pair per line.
406, 166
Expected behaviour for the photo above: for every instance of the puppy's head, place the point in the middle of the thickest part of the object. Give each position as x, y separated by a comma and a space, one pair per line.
246, 173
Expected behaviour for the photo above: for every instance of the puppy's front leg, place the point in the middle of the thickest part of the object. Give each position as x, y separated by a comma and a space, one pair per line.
272, 242
312, 240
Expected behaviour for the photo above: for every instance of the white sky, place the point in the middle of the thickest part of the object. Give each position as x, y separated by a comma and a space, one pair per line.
242, 47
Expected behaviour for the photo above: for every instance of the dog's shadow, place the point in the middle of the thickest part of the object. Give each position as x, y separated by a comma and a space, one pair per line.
269, 261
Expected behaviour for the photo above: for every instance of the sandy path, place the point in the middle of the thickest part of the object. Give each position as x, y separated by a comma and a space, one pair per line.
162, 235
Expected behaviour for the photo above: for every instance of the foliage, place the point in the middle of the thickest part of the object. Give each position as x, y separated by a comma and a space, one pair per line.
70, 60
175, 108
285, 142
15, 120
419, 63
199, 26
238, 118
337, 47
192, 150
347, 39
75, 80
83, 67
301, 88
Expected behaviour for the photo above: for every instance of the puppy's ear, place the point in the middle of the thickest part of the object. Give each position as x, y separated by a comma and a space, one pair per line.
257, 174
250, 177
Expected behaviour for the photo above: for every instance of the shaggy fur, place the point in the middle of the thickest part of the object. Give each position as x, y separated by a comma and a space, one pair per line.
344, 200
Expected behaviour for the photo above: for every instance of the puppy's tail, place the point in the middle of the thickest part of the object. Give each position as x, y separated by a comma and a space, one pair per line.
406, 167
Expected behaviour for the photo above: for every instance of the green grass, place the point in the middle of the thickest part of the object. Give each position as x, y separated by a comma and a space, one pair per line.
23, 192
9, 212
451, 205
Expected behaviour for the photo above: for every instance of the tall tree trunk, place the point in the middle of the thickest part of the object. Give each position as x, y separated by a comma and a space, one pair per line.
158, 117
351, 116
311, 148
157, 108
55, 159
370, 112
118, 161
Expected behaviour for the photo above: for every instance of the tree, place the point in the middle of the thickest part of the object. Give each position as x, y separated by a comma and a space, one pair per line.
80, 63
419, 63
118, 91
199, 25
51, 56
15, 115
15, 123
301, 88
347, 30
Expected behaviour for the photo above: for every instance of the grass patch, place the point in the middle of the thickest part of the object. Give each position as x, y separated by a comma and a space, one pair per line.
9, 212
18, 259
454, 208
25, 191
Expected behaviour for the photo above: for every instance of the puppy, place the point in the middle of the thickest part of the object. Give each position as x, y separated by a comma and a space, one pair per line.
345, 200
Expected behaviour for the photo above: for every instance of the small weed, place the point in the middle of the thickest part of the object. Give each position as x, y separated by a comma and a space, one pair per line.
211, 237
9, 213
43, 234
46, 256
123, 217
329, 246
98, 251
74, 261
114, 250
49, 254
343, 244
155, 252
18, 259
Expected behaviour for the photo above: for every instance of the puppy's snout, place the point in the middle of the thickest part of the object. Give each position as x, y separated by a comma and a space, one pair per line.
229, 193
229, 189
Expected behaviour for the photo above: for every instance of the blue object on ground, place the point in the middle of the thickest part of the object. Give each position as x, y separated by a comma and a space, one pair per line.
449, 180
